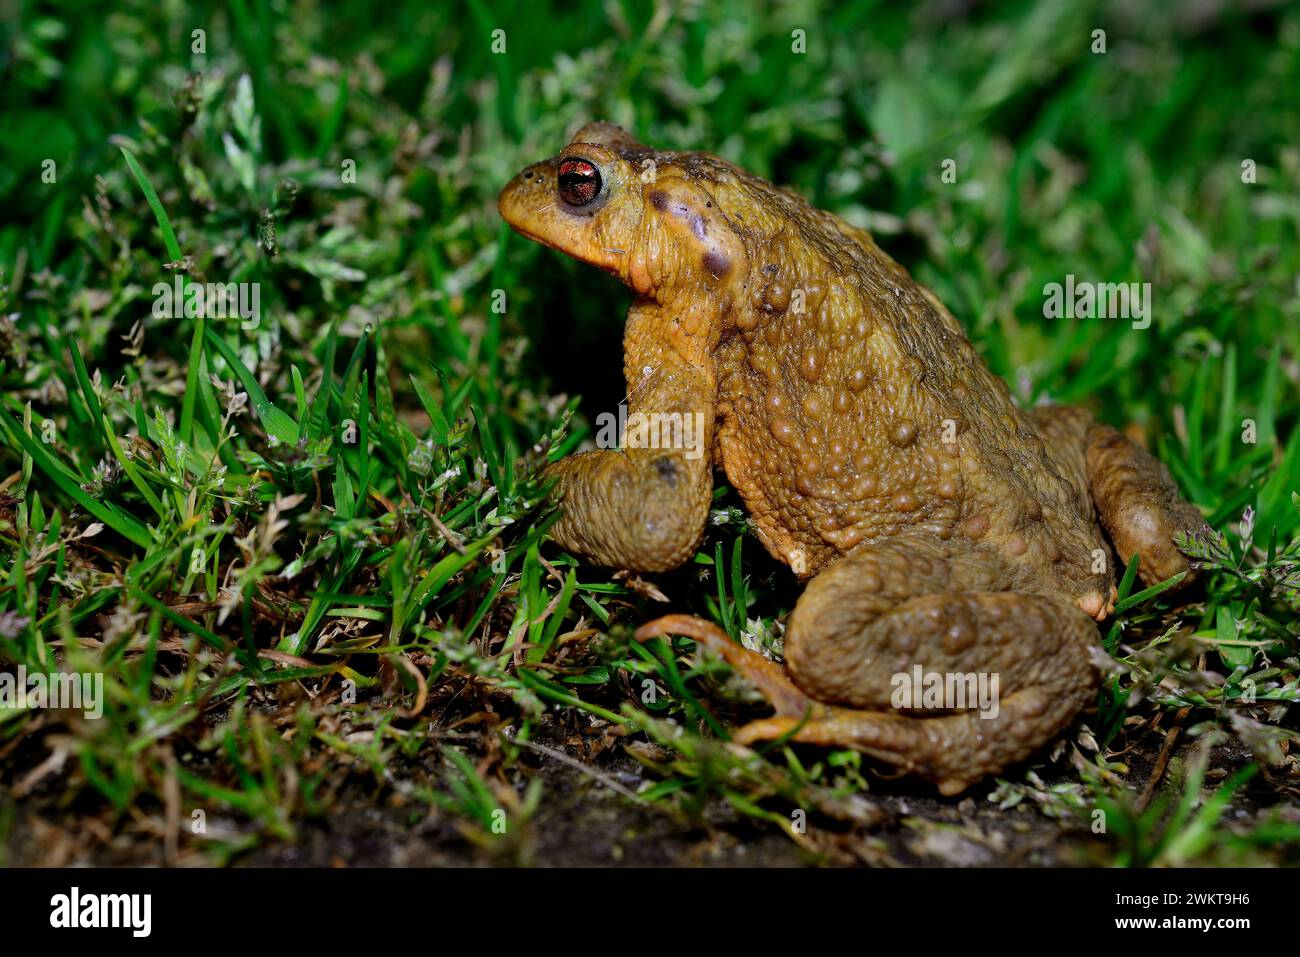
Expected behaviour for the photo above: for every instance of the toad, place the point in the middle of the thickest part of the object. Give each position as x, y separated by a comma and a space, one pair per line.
942, 530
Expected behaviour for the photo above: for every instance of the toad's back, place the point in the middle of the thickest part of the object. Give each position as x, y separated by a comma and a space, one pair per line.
852, 406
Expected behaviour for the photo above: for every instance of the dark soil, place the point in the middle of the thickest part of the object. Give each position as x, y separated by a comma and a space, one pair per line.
582, 822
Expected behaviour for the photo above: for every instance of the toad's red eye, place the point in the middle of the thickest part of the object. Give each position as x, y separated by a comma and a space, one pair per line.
579, 182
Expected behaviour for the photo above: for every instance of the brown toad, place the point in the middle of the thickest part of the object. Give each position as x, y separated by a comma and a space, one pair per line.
942, 527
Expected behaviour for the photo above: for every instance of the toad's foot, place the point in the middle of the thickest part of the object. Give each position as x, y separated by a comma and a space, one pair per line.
954, 751
767, 676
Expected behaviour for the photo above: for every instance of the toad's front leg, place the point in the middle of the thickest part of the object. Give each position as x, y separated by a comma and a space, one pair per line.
643, 507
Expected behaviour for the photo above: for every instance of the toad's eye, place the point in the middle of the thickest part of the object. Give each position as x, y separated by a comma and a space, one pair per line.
579, 182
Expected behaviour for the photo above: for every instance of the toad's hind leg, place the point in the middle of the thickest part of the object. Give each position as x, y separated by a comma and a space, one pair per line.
1018, 664
1139, 504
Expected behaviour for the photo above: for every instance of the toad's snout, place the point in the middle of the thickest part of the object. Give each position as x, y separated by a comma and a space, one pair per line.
527, 195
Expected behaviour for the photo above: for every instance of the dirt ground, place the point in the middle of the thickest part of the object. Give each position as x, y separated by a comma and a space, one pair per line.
580, 821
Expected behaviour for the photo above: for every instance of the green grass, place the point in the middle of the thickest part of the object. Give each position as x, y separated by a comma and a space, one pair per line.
279, 543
